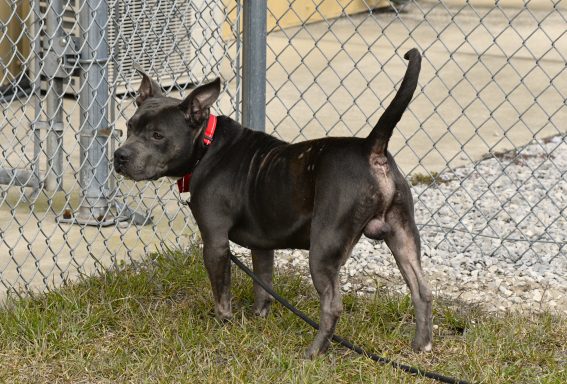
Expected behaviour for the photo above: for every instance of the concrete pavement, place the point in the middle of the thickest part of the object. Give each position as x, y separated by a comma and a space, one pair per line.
483, 88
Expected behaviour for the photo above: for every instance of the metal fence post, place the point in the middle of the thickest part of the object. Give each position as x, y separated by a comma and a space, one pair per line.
94, 97
54, 107
254, 64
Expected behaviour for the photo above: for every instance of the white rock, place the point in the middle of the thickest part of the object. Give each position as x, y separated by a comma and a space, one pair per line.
501, 198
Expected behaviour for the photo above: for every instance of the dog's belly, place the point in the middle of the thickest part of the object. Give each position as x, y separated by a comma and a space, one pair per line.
275, 235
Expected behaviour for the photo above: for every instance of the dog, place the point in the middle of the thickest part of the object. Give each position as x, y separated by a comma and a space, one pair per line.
264, 194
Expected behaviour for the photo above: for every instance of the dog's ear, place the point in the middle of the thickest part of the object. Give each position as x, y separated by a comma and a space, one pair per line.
148, 87
196, 105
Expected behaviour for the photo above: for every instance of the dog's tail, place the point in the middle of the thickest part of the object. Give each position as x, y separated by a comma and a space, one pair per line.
382, 131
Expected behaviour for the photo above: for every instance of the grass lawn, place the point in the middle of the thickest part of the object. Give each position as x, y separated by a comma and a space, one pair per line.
154, 322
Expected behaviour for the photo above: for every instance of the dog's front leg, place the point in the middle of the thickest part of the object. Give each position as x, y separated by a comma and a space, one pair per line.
263, 263
216, 254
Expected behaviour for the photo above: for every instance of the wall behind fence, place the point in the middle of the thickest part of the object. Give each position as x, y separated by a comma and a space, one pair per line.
484, 135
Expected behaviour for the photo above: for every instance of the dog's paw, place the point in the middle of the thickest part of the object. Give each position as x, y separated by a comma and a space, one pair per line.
262, 309
311, 354
318, 347
223, 316
419, 345
262, 312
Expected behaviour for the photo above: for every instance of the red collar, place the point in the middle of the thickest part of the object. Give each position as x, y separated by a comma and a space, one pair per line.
184, 183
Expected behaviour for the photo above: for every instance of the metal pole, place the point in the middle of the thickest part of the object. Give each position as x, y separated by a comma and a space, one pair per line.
36, 81
93, 103
54, 107
237, 60
254, 64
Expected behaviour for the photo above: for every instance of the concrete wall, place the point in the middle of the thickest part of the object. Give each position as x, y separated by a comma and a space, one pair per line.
533, 4
281, 16
11, 30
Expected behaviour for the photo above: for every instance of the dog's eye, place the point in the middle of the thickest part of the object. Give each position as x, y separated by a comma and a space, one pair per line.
158, 136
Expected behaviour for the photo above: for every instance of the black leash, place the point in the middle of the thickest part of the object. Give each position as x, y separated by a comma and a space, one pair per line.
340, 340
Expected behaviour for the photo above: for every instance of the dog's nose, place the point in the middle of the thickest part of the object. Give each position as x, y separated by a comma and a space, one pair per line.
121, 156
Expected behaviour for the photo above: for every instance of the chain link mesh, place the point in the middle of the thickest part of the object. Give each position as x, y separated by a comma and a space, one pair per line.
484, 136
46, 227
491, 97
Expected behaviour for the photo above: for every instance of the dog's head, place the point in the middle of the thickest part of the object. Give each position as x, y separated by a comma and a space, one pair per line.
163, 132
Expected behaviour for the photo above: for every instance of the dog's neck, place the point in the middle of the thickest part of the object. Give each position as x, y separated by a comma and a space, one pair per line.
207, 139
228, 134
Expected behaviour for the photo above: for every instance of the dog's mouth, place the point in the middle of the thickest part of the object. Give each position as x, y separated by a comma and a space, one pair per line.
119, 170
134, 175
122, 170
137, 177
134, 165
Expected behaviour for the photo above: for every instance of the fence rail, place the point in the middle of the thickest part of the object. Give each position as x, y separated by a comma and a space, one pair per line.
483, 141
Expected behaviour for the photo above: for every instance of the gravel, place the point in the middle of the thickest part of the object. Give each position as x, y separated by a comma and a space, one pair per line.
493, 233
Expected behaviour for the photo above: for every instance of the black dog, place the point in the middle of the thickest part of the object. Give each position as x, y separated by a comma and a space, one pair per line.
266, 194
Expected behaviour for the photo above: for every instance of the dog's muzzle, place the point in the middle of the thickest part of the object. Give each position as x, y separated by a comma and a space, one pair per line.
121, 159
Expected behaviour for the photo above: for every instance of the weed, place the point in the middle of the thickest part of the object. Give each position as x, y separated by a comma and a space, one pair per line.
432, 178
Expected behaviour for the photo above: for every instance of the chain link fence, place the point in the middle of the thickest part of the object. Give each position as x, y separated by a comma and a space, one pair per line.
483, 141
68, 80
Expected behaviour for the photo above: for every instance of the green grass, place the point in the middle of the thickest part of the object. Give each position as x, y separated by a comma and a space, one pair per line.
432, 178
154, 323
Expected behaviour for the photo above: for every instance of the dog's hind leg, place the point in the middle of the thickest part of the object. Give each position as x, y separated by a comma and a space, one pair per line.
403, 240
325, 275
263, 264
329, 250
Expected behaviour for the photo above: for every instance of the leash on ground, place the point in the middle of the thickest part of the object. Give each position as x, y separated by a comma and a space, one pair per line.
382, 360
